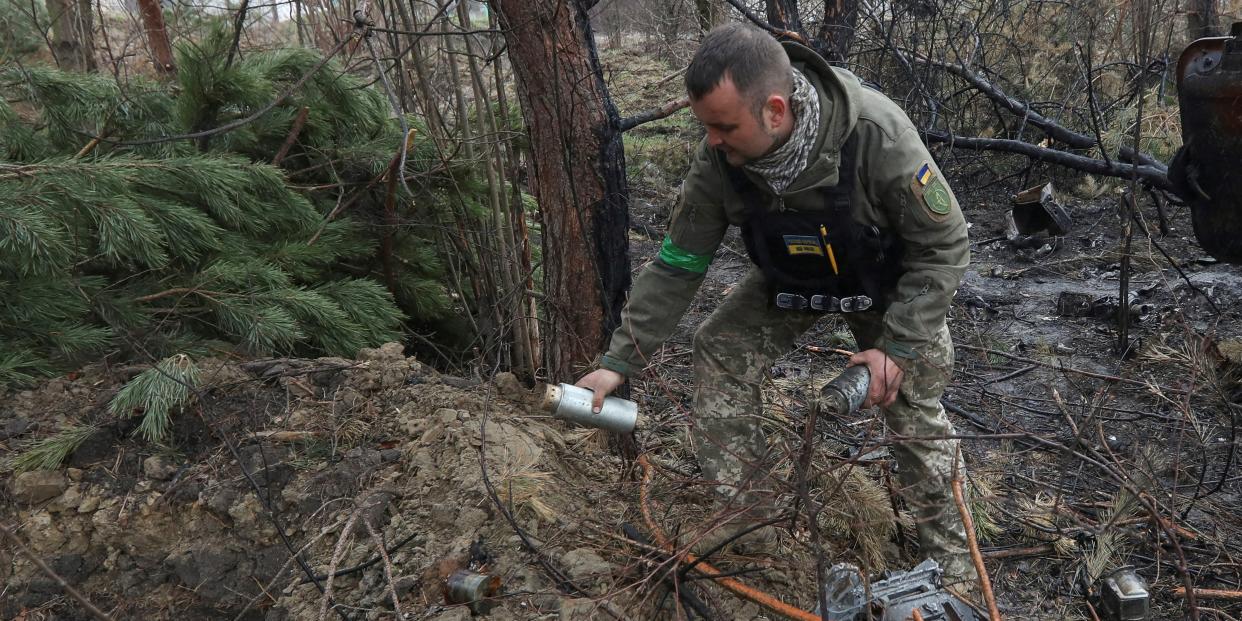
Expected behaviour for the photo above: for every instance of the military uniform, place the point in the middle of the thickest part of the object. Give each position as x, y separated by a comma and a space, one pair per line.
896, 188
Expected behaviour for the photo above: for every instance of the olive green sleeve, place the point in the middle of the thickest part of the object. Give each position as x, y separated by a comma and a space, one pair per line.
665, 287
918, 203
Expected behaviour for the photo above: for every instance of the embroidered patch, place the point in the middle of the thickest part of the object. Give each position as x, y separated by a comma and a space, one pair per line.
933, 193
803, 244
924, 175
936, 196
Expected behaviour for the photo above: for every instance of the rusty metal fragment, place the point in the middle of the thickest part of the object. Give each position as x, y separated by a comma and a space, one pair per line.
1205, 171
1078, 304
1037, 209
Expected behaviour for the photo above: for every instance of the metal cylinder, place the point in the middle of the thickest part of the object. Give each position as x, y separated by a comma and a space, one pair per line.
573, 403
467, 587
846, 392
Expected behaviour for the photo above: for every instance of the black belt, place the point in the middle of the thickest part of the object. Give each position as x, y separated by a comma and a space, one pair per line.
823, 303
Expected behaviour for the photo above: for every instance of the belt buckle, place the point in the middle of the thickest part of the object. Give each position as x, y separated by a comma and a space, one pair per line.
826, 303
855, 304
791, 301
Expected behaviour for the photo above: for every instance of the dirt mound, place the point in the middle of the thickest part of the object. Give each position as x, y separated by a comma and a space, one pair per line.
333, 460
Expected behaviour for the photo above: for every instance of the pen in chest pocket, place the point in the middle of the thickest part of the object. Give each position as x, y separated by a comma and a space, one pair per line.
832, 258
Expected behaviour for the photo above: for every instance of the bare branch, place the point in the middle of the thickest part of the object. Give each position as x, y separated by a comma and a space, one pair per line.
1054, 130
1157, 176
630, 122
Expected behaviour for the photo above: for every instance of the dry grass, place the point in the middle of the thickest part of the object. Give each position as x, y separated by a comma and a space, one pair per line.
985, 492
523, 487
1042, 524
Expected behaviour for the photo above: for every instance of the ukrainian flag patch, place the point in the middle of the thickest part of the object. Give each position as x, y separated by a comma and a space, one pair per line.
803, 244
925, 174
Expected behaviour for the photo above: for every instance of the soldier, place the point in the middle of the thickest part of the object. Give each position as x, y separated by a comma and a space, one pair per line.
842, 210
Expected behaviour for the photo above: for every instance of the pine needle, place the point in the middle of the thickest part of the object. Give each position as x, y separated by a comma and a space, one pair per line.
50, 452
155, 393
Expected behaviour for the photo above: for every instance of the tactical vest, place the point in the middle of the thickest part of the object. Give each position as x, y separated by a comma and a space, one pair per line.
820, 261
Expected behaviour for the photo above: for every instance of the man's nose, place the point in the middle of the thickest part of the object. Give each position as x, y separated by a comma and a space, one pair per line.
714, 139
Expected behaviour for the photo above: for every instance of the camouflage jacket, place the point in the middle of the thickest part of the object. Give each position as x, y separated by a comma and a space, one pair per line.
898, 187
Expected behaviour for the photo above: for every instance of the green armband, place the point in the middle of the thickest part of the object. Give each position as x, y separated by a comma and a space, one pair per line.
678, 257
895, 349
613, 364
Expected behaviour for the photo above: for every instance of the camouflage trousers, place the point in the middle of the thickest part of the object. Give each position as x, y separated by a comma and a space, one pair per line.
733, 350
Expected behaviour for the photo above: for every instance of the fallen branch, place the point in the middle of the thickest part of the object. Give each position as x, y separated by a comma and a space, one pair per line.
754, 595
815, 349
273, 435
687, 596
1038, 550
1051, 128
985, 582
1111, 378
68, 588
1155, 176
1233, 596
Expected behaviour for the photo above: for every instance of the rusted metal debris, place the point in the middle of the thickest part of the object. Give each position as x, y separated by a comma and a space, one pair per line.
468, 587
1036, 210
1078, 304
1205, 170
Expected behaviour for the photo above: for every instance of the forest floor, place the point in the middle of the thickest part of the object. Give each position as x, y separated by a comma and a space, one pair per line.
383, 476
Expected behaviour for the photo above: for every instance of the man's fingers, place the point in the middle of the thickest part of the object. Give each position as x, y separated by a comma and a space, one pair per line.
892, 398
893, 385
597, 402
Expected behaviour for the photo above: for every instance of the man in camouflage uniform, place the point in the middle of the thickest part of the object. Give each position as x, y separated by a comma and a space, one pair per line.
782, 116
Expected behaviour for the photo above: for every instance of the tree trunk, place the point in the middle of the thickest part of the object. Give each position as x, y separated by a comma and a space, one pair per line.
157, 37
1201, 18
73, 34
579, 176
836, 32
709, 13
783, 14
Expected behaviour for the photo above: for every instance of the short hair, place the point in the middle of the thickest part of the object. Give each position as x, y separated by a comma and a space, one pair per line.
753, 59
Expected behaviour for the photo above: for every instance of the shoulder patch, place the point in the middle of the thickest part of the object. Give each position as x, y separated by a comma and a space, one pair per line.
936, 195
932, 192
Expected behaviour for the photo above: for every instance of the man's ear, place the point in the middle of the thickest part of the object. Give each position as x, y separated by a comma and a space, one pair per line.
775, 110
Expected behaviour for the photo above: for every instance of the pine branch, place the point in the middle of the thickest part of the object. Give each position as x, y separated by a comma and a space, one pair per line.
21, 367
50, 452
155, 393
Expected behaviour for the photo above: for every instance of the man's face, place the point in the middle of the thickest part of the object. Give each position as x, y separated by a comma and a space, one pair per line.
732, 127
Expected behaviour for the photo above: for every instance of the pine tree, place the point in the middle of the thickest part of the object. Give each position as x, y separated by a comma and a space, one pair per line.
185, 246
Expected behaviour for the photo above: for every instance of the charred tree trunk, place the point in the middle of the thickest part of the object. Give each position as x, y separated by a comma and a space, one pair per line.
1202, 18
783, 14
579, 176
157, 37
73, 34
836, 32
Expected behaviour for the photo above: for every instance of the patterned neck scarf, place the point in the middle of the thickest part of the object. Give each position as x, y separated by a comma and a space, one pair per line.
780, 167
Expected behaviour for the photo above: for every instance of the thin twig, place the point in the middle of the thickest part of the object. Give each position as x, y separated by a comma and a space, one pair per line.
1111, 378
68, 588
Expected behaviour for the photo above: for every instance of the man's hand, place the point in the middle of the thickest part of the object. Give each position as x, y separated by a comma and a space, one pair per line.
885, 376
602, 382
